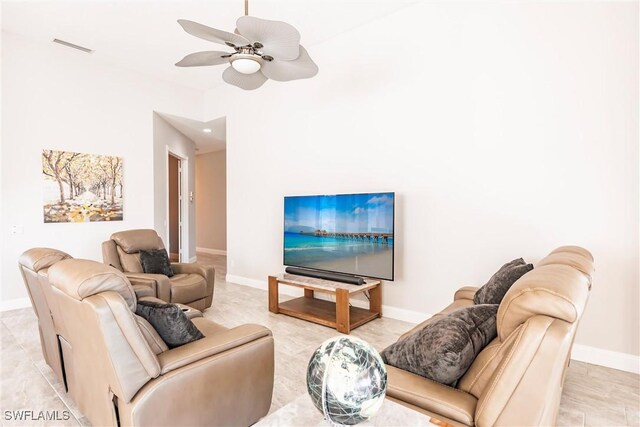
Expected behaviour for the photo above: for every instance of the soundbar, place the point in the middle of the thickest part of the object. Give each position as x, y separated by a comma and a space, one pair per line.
336, 277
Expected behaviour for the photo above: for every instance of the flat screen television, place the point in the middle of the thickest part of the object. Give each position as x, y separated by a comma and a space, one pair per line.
344, 233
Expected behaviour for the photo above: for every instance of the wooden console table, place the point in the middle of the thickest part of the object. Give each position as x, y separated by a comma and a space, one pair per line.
338, 314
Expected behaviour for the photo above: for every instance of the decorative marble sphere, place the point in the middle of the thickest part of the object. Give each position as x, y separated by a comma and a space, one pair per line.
347, 380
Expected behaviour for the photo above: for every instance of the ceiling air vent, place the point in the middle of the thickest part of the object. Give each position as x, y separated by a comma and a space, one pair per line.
74, 46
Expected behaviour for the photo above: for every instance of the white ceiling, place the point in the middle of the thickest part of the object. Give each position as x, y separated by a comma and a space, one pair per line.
144, 35
194, 130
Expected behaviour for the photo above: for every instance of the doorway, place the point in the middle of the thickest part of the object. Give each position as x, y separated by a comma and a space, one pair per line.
211, 209
175, 208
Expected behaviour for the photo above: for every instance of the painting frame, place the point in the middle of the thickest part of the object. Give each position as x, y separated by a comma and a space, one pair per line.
82, 187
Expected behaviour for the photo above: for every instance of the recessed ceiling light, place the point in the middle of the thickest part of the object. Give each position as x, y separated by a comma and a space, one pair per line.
207, 130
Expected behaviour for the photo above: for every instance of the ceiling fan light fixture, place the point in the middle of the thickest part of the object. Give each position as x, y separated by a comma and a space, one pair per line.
246, 64
264, 50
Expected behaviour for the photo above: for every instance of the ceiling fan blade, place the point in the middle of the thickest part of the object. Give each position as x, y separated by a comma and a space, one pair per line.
212, 34
279, 39
243, 81
282, 71
200, 59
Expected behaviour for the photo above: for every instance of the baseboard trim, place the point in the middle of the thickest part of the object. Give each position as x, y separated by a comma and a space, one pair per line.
211, 251
610, 359
14, 304
387, 310
583, 353
403, 314
253, 283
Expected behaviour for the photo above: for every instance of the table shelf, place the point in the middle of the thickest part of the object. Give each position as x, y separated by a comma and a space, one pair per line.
339, 314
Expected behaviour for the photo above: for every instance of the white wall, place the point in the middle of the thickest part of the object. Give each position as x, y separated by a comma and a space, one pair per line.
2, 226
506, 130
211, 200
54, 97
167, 138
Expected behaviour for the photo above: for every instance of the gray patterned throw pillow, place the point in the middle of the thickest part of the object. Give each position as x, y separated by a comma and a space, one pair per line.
173, 326
495, 289
156, 261
444, 349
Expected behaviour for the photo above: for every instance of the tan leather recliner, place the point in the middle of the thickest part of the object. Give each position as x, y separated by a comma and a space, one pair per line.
192, 283
34, 265
121, 373
517, 379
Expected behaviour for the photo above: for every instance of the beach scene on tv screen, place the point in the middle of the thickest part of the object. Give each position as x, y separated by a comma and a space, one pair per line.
351, 233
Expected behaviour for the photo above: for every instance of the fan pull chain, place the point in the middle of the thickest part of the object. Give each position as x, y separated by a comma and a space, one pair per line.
246, 7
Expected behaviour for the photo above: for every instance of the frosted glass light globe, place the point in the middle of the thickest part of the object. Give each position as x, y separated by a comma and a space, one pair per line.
245, 65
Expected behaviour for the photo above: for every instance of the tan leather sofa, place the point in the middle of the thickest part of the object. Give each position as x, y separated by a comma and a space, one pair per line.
34, 265
120, 372
517, 379
192, 283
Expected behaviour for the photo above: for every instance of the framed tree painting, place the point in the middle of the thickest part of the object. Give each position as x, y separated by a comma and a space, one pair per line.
80, 187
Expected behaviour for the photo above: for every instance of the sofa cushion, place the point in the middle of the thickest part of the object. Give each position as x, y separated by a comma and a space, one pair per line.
37, 259
575, 260
143, 290
170, 323
82, 278
493, 291
574, 250
444, 349
556, 291
186, 288
429, 395
155, 261
130, 262
131, 241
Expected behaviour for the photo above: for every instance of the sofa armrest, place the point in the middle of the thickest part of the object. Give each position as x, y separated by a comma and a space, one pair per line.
209, 346
242, 379
465, 292
160, 283
144, 290
431, 396
141, 280
206, 271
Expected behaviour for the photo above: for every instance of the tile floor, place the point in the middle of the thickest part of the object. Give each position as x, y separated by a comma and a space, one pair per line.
593, 395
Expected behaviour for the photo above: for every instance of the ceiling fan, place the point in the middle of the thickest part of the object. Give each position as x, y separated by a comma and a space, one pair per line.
263, 50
